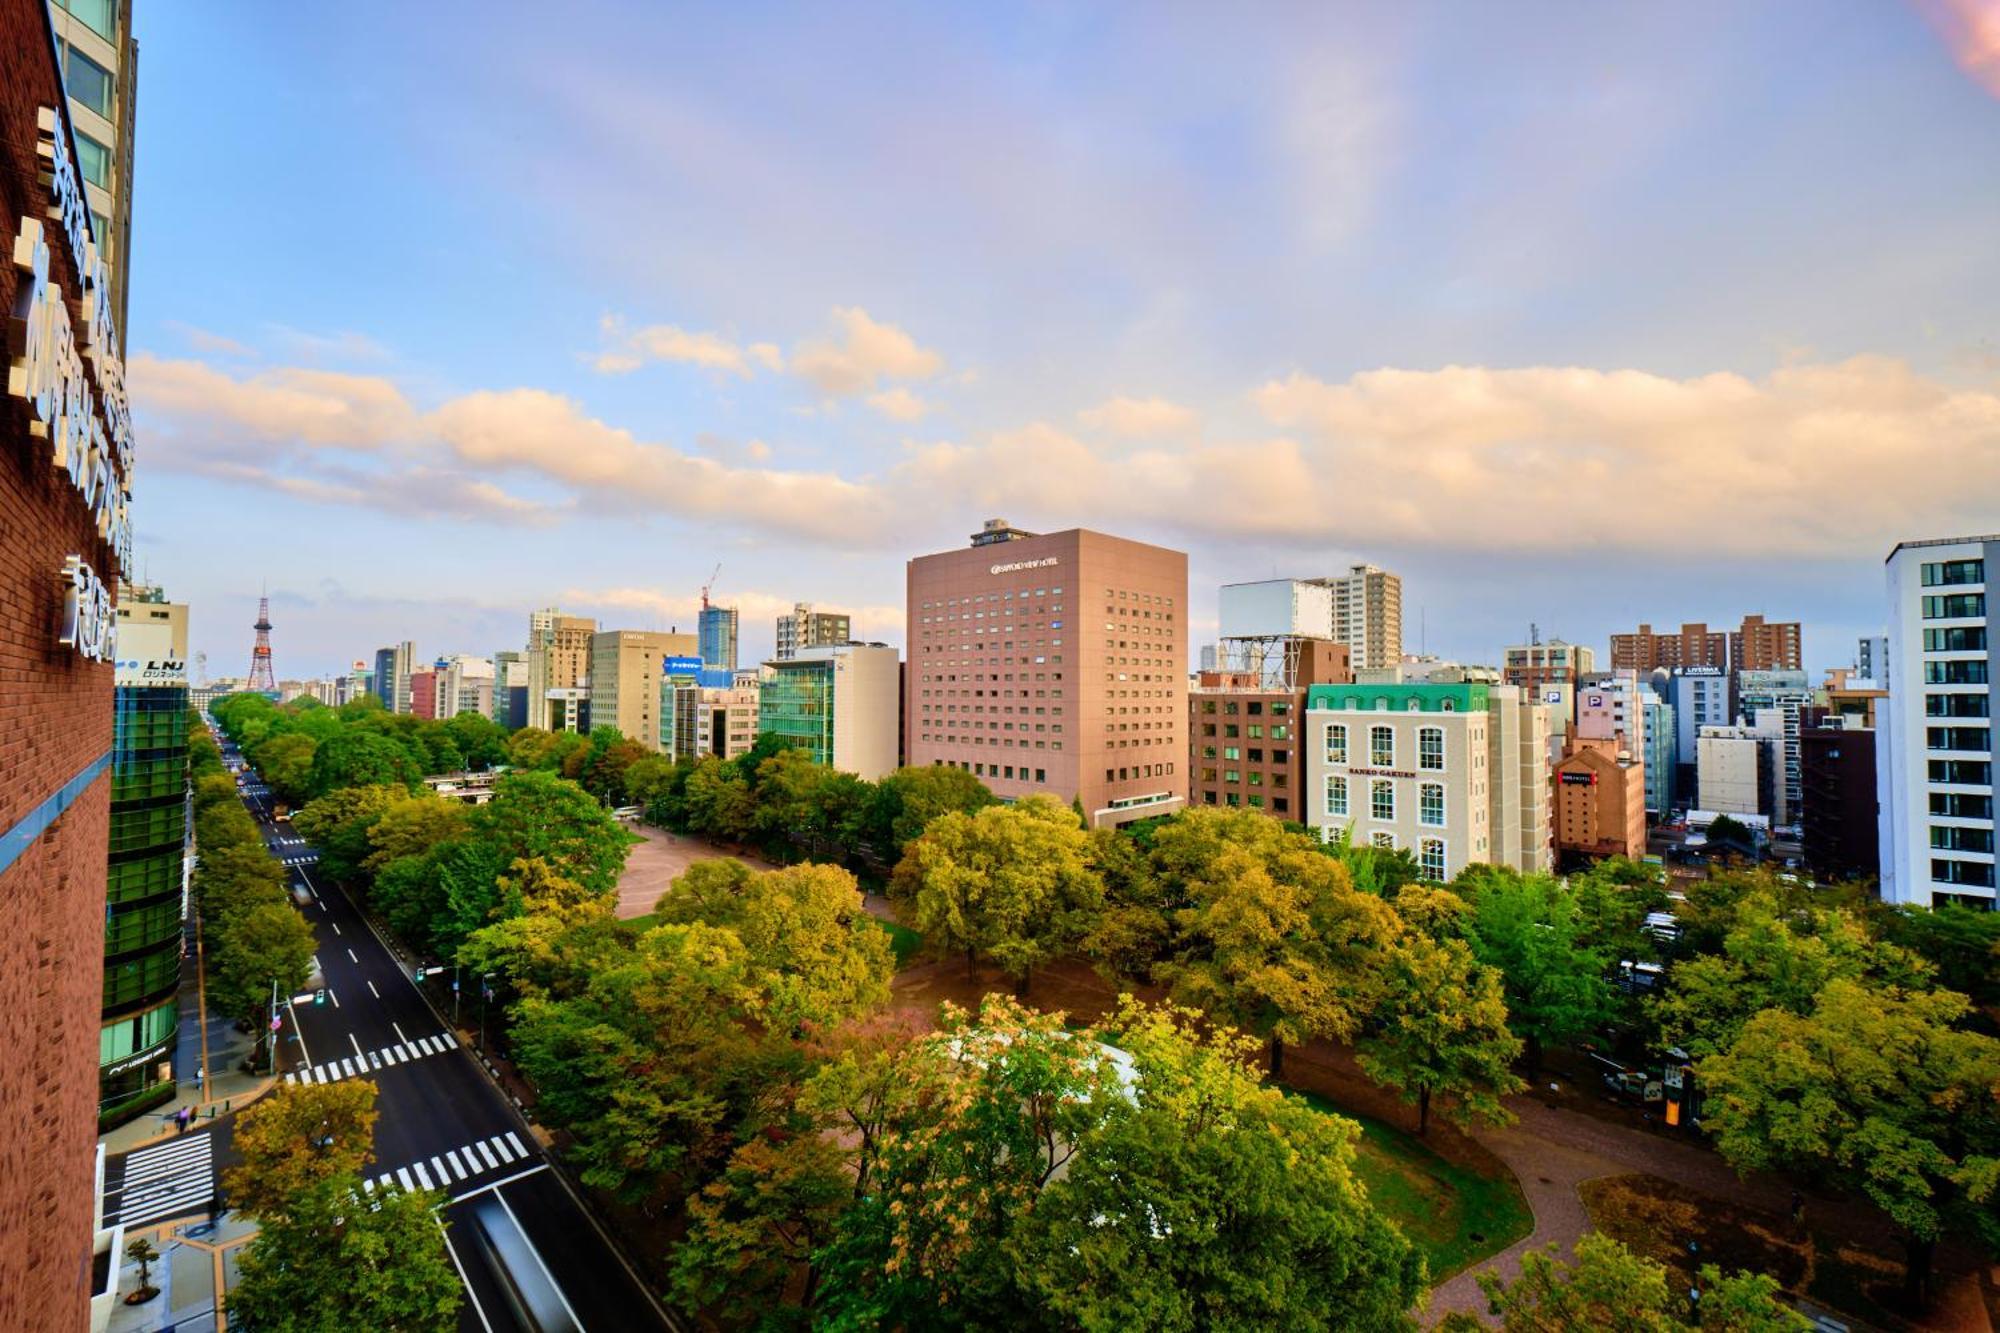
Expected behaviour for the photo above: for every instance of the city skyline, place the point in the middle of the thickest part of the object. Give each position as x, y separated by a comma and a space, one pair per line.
750, 289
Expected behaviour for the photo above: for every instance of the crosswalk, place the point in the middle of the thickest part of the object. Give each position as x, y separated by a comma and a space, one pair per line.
454, 1165
300, 859
389, 1056
170, 1179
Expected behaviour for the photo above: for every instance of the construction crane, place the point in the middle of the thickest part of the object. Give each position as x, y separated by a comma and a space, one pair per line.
710, 584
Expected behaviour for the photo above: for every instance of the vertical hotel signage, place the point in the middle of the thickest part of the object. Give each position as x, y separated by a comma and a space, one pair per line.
77, 407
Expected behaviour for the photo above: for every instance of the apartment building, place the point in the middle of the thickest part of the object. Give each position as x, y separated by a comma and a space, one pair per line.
558, 653
1368, 615
1538, 666
1760, 645
805, 627
1053, 663
1695, 645
1934, 754
1243, 730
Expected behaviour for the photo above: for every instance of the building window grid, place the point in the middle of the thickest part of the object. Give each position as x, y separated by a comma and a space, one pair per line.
1382, 800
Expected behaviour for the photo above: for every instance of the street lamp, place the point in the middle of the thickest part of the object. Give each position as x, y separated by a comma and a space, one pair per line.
485, 998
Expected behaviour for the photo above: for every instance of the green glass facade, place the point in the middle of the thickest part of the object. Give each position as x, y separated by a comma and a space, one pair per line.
144, 902
1465, 698
797, 703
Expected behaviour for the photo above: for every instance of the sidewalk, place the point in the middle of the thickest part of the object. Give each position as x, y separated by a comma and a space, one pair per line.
225, 1087
196, 1260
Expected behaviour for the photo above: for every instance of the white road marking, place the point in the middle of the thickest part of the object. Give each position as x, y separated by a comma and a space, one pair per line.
517, 1143
422, 1174
372, 991
346, 1067
463, 1281
335, 925
492, 1163
399, 1032
505, 1180
404, 1176
351, 958
331, 996
444, 1176
505, 1153
357, 1043
457, 1166
373, 1061
368, 1185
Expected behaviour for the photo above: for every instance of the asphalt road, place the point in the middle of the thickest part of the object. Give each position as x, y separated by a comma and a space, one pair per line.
532, 1258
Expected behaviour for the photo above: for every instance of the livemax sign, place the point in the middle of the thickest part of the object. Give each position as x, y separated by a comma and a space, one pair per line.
78, 407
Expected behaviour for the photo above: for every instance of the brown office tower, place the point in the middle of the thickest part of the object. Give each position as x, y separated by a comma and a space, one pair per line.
65, 542
1052, 663
1244, 724
1758, 646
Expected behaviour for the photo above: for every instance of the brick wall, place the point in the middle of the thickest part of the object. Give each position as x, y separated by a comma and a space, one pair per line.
55, 718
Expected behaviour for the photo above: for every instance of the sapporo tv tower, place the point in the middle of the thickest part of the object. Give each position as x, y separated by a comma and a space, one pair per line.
261, 679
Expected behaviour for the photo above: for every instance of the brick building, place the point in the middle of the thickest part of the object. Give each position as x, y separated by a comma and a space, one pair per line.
1243, 731
1600, 800
65, 541
1754, 645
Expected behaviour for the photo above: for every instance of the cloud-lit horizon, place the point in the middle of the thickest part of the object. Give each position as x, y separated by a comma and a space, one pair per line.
1676, 315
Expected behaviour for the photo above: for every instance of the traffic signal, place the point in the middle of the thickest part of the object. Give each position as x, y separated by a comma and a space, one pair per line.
319, 997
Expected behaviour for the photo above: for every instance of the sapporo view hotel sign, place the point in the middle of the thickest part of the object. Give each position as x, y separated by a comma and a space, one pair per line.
77, 408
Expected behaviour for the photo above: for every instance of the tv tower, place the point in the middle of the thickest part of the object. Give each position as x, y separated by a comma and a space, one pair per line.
260, 656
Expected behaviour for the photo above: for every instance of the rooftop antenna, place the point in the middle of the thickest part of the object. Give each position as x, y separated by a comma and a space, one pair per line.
1534, 634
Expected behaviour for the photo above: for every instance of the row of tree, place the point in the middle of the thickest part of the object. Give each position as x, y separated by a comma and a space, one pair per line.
254, 941
304, 749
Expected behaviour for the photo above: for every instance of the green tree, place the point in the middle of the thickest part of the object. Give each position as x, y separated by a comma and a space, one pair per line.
1133, 932
1532, 929
1609, 1289
481, 740
285, 762
331, 1264
337, 825
754, 1231
1441, 1030
1205, 1199
1274, 939
646, 778
716, 801
1012, 882
799, 801
540, 816
903, 804
361, 759
816, 955
297, 1137
412, 826
1962, 943
1879, 1091
264, 945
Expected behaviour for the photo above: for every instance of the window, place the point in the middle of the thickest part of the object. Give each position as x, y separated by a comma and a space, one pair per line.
1956, 639
1955, 673
1430, 859
1947, 871
1382, 746
1961, 805
1430, 749
88, 82
1430, 804
1382, 799
1959, 738
1336, 796
1955, 606
1944, 573
1336, 744
1383, 840
1961, 772
1952, 839
93, 159
1957, 705
100, 16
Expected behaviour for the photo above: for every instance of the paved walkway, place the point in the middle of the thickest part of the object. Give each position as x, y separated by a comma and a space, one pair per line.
657, 862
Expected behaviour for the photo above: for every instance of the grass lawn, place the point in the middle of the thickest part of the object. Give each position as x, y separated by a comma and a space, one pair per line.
1455, 1215
903, 941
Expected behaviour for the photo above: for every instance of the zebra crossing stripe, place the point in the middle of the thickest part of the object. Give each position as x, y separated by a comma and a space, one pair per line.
373, 1063
450, 1040
368, 1185
444, 1176
389, 1055
422, 1175
291, 1077
403, 1175
500, 1149
487, 1153
519, 1151
451, 1155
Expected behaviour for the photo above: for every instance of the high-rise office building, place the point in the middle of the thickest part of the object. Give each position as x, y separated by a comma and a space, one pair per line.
625, 671
1368, 615
1934, 758
392, 675
65, 544
803, 627
510, 688
1053, 663
841, 703
717, 630
558, 653
150, 861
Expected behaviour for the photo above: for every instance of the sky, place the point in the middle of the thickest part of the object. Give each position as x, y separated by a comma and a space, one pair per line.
1574, 316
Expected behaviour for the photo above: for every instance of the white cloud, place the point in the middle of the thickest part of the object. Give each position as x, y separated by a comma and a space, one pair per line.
626, 349
862, 355
898, 404
1141, 418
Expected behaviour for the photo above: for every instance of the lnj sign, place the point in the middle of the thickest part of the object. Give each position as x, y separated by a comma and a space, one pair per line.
78, 407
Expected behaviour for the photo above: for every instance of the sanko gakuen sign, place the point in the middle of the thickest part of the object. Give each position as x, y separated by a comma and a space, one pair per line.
77, 408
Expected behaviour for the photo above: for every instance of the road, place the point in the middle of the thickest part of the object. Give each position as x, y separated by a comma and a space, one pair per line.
531, 1256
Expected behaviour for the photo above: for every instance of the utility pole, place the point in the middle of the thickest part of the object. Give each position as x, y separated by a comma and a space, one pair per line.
271, 1028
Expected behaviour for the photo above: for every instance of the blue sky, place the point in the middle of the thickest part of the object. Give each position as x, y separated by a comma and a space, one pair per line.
1572, 316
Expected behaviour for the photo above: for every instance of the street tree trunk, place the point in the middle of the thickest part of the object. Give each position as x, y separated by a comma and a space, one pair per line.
1277, 1057
1423, 1109
1917, 1272
1021, 984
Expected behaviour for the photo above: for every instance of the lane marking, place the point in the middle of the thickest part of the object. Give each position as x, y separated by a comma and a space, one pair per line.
373, 1062
335, 924
464, 1281
537, 1254
351, 958
368, 1185
372, 991
399, 1032
444, 1176
331, 994
357, 1043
